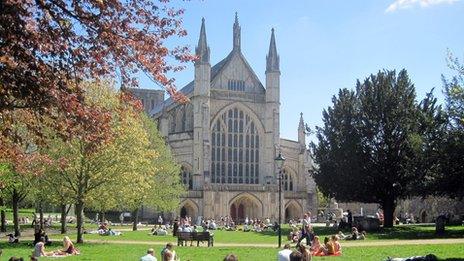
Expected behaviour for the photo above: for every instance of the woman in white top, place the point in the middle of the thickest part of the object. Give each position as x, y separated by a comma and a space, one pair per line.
39, 248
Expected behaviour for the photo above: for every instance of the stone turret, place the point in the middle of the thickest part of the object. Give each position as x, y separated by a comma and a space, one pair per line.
236, 36
272, 72
201, 108
272, 102
301, 133
202, 50
272, 58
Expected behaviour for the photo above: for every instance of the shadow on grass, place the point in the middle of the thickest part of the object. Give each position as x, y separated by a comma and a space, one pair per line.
417, 232
397, 232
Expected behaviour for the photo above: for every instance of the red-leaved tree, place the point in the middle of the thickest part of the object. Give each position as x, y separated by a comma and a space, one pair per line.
49, 47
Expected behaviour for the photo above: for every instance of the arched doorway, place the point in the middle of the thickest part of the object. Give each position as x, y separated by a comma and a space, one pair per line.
293, 211
183, 212
188, 209
424, 216
245, 205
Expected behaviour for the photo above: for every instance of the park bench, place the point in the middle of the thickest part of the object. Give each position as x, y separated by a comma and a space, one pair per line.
183, 237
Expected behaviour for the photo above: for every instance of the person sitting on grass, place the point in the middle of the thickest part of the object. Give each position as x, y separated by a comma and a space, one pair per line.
284, 254
68, 248
296, 256
315, 245
246, 228
168, 253
329, 247
13, 258
305, 252
12, 239
362, 235
103, 228
294, 234
337, 246
149, 256
231, 257
322, 250
353, 236
39, 249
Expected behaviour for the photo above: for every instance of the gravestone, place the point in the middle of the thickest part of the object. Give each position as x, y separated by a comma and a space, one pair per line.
440, 225
366, 223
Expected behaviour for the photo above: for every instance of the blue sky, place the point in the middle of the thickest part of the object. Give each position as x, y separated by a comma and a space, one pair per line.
326, 45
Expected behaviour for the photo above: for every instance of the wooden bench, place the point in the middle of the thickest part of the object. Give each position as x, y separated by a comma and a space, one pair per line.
183, 237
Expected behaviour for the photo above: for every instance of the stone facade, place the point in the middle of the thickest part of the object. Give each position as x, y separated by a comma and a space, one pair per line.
424, 210
227, 137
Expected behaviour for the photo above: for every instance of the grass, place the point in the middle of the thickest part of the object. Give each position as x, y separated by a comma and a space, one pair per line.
133, 252
23, 212
268, 237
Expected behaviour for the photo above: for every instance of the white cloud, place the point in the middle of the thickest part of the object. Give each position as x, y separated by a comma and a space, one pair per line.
403, 4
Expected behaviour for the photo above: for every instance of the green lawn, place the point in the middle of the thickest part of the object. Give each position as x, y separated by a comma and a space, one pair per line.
23, 212
398, 233
133, 252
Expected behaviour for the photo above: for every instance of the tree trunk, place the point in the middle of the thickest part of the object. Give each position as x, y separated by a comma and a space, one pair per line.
102, 216
41, 215
15, 202
388, 212
135, 219
2, 216
80, 220
63, 219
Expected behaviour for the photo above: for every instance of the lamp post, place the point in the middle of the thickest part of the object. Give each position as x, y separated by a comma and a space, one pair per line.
280, 162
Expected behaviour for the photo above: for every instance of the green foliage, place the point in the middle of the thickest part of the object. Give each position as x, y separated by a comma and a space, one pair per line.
450, 180
133, 167
375, 141
322, 200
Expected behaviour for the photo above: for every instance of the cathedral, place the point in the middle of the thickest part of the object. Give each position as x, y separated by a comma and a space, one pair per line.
227, 137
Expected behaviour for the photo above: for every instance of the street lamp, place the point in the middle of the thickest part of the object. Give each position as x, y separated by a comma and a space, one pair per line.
280, 162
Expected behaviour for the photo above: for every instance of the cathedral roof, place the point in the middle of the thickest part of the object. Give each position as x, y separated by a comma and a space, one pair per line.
188, 89
202, 50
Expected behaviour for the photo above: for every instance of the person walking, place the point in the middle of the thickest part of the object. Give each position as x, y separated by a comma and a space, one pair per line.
306, 229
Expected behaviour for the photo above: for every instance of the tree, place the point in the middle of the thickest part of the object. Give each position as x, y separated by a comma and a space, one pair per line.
104, 170
156, 183
22, 164
49, 48
450, 180
374, 140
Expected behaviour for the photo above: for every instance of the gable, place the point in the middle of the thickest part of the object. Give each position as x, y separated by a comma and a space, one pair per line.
235, 74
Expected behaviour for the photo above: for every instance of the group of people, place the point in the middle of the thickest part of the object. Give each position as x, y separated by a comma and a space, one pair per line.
167, 254
68, 248
330, 246
104, 230
355, 235
40, 251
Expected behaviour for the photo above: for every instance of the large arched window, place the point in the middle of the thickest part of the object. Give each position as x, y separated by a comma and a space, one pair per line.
189, 117
172, 122
187, 178
235, 149
287, 181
